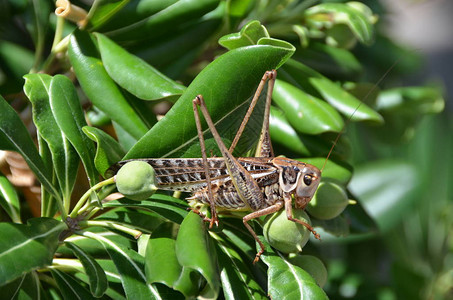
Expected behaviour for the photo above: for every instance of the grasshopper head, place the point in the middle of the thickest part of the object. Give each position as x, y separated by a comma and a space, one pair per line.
299, 179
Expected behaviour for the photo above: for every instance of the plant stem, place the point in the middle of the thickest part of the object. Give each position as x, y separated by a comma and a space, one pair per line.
109, 224
77, 209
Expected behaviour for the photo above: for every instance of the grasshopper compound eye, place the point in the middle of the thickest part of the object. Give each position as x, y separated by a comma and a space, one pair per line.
308, 179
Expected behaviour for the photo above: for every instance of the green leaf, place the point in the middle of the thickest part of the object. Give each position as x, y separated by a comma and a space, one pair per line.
194, 252
104, 11
9, 200
286, 281
16, 62
411, 100
237, 280
99, 87
173, 209
25, 287
311, 81
69, 116
135, 75
39, 236
108, 151
164, 21
143, 220
14, 136
130, 266
383, 188
306, 113
64, 157
174, 53
93, 247
283, 133
96, 275
358, 19
238, 70
69, 287
161, 255
332, 62
249, 35
108, 17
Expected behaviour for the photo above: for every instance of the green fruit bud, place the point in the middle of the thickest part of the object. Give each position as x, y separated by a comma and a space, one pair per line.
135, 180
328, 202
285, 235
312, 265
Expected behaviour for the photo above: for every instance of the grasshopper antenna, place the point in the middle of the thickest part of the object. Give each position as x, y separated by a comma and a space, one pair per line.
355, 110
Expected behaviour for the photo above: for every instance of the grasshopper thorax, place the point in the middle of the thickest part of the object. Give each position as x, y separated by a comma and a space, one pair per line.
298, 179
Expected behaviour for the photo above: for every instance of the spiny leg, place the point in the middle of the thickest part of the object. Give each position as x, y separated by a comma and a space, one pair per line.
289, 215
265, 151
214, 218
256, 214
246, 187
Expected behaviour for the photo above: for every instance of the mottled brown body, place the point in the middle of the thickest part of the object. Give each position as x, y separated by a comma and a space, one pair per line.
263, 184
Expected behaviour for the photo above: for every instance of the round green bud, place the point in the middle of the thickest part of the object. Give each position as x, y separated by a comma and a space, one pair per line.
329, 201
285, 235
136, 180
312, 265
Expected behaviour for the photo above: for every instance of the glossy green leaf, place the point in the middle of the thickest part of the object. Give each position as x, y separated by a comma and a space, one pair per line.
411, 100
161, 255
225, 84
95, 273
135, 75
383, 187
164, 21
143, 220
237, 280
14, 136
109, 17
69, 287
48, 205
93, 247
306, 113
69, 116
168, 207
333, 62
104, 12
64, 157
345, 103
288, 281
194, 252
25, 287
130, 266
99, 87
358, 21
249, 35
9, 200
283, 133
39, 236
174, 53
108, 151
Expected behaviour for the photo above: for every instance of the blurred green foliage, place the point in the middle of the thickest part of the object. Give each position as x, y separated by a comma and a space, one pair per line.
125, 60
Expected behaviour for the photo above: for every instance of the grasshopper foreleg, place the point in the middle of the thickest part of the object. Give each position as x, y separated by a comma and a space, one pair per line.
256, 214
289, 216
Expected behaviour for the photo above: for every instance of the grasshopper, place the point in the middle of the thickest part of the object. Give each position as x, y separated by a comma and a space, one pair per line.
263, 184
